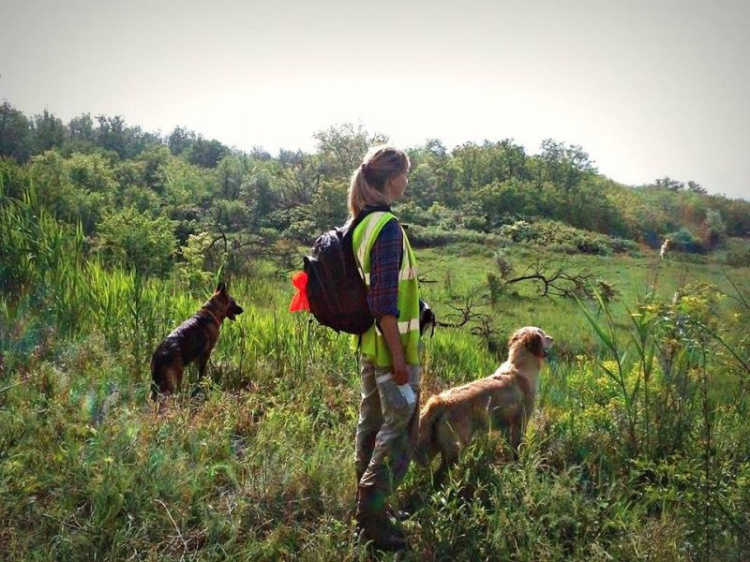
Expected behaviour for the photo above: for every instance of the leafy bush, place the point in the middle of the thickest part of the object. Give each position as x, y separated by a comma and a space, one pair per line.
131, 239
566, 239
685, 241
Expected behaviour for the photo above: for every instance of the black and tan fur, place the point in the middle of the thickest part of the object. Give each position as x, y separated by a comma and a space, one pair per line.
193, 340
502, 401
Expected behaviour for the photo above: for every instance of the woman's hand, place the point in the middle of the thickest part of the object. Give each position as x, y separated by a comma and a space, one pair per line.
400, 374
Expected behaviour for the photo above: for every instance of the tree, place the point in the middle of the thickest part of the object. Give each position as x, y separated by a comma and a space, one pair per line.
186, 185
180, 140
435, 148
206, 153
81, 128
669, 184
258, 194
444, 169
229, 215
469, 158
15, 133
230, 173
422, 185
111, 134
343, 148
502, 201
48, 132
562, 165
81, 134
128, 142
505, 160
329, 204
259, 153
554, 281
713, 229
152, 162
297, 177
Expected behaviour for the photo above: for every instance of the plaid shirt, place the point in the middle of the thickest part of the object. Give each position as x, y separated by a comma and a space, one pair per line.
385, 263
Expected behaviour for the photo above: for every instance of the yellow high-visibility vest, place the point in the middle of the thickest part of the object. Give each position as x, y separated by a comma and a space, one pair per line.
373, 346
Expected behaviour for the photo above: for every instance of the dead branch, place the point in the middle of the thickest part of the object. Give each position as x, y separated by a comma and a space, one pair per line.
221, 236
466, 312
556, 282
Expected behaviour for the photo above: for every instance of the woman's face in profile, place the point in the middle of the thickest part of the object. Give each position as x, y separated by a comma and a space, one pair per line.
396, 186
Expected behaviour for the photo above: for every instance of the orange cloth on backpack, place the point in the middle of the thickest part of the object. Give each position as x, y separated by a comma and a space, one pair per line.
299, 300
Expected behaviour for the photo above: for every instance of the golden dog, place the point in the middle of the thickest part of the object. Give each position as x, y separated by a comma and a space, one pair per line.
503, 401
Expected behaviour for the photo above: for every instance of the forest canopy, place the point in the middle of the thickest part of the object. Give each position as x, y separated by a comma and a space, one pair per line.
182, 193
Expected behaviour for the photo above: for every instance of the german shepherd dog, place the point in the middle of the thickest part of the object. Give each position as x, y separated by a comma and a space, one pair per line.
193, 340
502, 401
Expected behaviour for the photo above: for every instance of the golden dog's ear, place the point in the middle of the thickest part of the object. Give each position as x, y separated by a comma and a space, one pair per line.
532, 341
516, 338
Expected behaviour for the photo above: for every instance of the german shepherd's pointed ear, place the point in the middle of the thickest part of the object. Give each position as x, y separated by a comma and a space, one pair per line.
221, 288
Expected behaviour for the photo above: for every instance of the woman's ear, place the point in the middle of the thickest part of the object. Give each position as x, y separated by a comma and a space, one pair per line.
388, 190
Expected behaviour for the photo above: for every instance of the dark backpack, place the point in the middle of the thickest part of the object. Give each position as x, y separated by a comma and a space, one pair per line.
335, 289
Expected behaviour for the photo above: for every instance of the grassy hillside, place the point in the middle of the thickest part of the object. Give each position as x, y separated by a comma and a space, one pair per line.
639, 451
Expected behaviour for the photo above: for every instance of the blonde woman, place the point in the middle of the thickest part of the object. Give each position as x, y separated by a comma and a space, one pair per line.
390, 368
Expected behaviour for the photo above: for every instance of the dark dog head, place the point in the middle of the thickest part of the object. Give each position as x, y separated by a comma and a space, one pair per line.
223, 303
533, 339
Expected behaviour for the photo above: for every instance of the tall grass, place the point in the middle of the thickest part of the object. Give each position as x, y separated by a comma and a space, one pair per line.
673, 386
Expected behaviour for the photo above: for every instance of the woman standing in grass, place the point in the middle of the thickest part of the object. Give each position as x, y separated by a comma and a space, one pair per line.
390, 370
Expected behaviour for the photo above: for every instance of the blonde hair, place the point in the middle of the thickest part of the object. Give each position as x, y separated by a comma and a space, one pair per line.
367, 187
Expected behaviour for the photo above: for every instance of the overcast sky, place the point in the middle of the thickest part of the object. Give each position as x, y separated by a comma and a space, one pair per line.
648, 88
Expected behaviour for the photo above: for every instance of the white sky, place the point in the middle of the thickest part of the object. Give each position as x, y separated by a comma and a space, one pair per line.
648, 88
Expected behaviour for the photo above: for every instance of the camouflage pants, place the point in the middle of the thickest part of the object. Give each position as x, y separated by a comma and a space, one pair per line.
387, 428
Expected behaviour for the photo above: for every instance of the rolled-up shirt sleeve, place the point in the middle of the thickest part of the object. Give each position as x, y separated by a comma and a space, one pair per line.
385, 263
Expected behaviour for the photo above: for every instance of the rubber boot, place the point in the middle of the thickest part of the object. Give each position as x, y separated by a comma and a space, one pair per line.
373, 523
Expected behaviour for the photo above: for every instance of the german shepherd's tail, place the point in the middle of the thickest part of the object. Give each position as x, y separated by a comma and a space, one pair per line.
427, 441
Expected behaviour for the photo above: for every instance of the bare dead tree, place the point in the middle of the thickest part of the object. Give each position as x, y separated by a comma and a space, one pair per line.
467, 313
249, 247
556, 282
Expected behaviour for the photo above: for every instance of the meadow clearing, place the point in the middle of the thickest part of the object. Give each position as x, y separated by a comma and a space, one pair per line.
639, 451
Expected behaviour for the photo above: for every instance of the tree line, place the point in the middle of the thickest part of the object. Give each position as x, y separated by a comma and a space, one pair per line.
152, 201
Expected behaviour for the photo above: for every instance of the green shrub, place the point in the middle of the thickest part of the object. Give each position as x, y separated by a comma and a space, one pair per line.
430, 237
685, 241
128, 238
565, 239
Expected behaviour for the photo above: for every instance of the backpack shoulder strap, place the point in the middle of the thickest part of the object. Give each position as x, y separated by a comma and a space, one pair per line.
353, 223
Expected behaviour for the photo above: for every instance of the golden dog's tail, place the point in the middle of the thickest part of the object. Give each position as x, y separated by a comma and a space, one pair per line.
426, 445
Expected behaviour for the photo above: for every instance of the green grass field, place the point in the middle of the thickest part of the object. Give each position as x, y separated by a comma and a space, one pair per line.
639, 451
